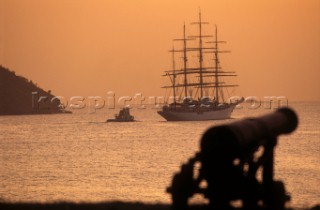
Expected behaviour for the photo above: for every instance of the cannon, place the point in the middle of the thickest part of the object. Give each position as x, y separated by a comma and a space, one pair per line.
236, 163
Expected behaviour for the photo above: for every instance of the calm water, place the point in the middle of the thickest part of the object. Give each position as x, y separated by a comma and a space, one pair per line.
78, 157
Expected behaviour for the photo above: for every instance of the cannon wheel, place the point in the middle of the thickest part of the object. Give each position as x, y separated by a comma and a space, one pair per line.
183, 185
279, 196
180, 191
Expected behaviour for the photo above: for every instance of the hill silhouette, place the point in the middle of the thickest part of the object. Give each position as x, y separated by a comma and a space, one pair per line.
19, 96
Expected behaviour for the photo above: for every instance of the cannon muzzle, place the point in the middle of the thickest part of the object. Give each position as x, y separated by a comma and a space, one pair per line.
247, 134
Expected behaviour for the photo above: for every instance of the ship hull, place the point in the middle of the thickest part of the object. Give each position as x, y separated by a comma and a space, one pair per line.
214, 114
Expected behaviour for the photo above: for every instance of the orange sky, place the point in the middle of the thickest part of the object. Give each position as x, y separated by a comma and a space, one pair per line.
84, 47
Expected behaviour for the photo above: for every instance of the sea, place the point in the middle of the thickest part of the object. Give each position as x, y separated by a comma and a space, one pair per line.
80, 158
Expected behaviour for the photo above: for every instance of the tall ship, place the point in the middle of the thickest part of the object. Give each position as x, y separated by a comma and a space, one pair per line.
198, 91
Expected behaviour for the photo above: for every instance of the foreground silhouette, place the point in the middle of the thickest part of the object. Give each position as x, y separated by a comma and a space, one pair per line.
231, 158
115, 205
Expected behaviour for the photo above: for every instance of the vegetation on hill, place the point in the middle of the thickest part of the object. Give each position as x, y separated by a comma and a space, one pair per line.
19, 95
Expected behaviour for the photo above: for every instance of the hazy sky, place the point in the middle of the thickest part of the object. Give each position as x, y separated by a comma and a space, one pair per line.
85, 47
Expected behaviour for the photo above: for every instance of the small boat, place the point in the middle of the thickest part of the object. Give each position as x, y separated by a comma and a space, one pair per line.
123, 116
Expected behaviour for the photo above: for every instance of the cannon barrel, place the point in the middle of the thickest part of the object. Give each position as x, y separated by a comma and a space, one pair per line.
243, 136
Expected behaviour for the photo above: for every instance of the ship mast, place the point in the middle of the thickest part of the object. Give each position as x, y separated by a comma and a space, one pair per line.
200, 52
218, 73
174, 77
185, 60
216, 65
200, 55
